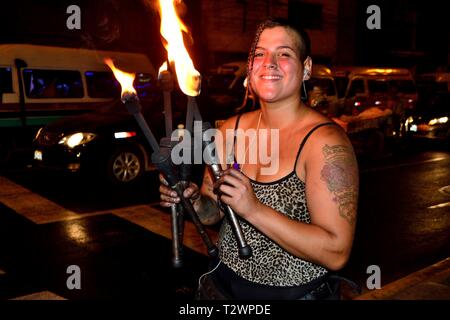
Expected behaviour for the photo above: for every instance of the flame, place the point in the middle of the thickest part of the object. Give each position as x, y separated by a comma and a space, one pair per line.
125, 79
171, 29
162, 69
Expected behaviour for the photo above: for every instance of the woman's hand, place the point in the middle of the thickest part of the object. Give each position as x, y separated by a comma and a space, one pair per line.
169, 196
235, 190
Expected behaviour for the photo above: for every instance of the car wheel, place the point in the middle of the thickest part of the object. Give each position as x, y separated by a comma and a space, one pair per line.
125, 166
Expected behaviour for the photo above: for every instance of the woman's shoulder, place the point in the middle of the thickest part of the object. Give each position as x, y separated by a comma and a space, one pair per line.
325, 130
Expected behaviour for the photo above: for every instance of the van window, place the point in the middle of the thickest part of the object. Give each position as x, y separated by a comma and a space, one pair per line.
325, 84
146, 86
41, 84
356, 86
221, 81
404, 86
377, 86
5, 80
102, 84
341, 85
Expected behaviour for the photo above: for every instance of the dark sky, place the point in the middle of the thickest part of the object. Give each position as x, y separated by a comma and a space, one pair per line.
105, 24
423, 25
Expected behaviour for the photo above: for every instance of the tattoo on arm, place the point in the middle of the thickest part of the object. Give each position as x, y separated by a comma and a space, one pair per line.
340, 174
208, 183
206, 207
207, 210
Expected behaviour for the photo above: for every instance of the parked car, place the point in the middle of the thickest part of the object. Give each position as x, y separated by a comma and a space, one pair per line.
432, 120
107, 141
40, 84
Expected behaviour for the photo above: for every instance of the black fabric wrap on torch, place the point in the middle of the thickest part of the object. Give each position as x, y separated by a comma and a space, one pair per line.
245, 251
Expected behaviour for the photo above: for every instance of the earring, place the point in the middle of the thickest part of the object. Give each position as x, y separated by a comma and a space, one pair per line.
306, 73
304, 97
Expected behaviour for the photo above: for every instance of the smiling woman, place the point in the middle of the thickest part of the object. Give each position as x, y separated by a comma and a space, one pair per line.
299, 220
276, 69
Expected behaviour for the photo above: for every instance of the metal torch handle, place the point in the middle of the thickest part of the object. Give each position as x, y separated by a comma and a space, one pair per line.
164, 164
245, 251
177, 261
188, 207
177, 220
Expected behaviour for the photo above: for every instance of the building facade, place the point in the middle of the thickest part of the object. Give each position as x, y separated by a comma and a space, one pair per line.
228, 27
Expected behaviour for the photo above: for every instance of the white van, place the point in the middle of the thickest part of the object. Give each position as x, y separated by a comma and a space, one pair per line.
224, 89
228, 76
373, 87
321, 90
39, 84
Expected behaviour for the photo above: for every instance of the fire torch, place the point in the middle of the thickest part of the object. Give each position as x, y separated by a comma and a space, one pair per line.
189, 81
161, 156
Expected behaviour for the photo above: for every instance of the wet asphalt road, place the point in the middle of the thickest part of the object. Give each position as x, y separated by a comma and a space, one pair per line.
403, 218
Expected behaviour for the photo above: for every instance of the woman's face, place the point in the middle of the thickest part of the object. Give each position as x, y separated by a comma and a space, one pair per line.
277, 71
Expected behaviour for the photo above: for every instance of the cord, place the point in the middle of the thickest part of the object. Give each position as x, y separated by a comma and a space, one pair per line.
205, 274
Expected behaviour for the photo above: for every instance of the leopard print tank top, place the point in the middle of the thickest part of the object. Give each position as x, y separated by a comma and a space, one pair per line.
270, 264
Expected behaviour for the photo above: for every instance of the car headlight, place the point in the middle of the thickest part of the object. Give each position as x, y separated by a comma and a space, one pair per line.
409, 120
76, 139
441, 120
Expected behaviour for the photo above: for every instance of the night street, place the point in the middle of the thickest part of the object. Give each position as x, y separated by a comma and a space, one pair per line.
403, 224
325, 126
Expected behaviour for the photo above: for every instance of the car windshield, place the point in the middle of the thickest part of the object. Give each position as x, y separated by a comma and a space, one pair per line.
220, 81
404, 86
325, 85
440, 103
341, 85
5, 80
377, 86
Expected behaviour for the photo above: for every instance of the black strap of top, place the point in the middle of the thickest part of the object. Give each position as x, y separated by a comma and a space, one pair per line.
236, 126
235, 136
307, 136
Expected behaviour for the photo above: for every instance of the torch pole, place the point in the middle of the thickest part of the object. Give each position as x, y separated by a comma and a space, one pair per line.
133, 106
163, 162
176, 210
177, 219
213, 163
161, 159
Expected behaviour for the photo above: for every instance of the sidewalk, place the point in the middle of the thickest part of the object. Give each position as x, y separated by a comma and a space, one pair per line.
430, 283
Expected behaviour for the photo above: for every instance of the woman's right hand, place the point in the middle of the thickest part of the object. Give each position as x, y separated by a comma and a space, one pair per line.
169, 196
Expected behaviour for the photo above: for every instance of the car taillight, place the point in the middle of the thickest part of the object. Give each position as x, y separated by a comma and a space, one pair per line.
124, 134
